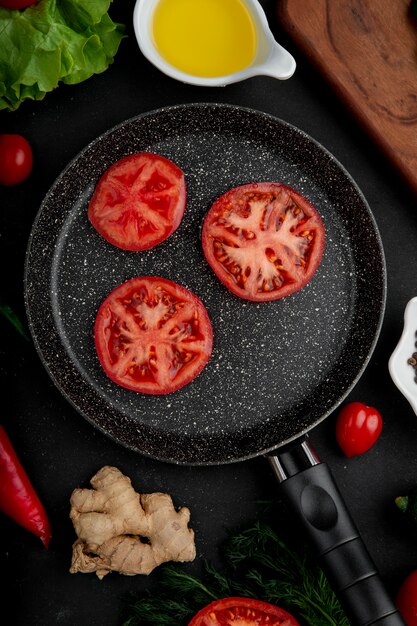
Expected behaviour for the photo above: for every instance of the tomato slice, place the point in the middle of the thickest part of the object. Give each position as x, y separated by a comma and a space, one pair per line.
264, 241
242, 612
139, 201
152, 335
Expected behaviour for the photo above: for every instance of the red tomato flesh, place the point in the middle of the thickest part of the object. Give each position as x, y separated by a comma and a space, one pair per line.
264, 241
139, 201
152, 335
242, 612
16, 159
358, 426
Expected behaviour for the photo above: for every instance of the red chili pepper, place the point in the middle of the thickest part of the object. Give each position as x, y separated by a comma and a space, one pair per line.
18, 498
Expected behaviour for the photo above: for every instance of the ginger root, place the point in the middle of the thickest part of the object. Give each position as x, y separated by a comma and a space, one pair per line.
121, 530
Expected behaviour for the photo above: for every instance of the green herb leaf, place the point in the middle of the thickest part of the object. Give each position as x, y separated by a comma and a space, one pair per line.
258, 564
407, 504
53, 41
11, 316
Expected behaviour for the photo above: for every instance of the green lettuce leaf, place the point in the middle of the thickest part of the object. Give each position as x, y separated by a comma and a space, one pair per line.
53, 41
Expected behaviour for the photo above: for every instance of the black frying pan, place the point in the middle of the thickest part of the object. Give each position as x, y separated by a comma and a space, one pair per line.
277, 368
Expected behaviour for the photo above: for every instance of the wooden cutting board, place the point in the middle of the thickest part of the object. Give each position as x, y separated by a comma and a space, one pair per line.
367, 50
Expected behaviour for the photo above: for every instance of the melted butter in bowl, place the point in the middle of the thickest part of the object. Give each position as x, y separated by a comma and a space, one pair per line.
209, 42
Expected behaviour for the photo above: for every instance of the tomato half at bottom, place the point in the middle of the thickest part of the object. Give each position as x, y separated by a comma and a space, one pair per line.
152, 335
242, 612
139, 201
264, 241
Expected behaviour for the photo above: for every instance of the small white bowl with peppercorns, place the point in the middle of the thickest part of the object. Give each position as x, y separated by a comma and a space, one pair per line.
402, 364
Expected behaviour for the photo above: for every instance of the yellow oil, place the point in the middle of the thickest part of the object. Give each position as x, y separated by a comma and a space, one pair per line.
207, 38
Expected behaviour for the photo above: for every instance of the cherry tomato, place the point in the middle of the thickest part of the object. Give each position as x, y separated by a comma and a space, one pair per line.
15, 159
139, 201
407, 599
358, 426
242, 612
264, 241
152, 335
16, 4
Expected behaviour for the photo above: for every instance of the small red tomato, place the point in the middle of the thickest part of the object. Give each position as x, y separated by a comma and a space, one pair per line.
358, 426
15, 159
406, 600
16, 4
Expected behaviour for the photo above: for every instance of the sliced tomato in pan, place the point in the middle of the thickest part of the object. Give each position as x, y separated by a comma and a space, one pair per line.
139, 201
152, 335
242, 612
264, 241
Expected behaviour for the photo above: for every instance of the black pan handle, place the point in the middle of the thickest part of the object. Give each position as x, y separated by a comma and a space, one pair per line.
309, 488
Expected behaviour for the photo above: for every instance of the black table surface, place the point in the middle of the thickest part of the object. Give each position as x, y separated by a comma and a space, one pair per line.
60, 450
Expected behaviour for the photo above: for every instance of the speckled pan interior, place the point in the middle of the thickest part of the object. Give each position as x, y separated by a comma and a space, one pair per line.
277, 368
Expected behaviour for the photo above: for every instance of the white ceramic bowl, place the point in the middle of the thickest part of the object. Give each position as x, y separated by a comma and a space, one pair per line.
271, 59
402, 373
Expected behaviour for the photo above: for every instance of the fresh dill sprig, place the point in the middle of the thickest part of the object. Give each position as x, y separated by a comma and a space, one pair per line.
258, 564
284, 576
184, 583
